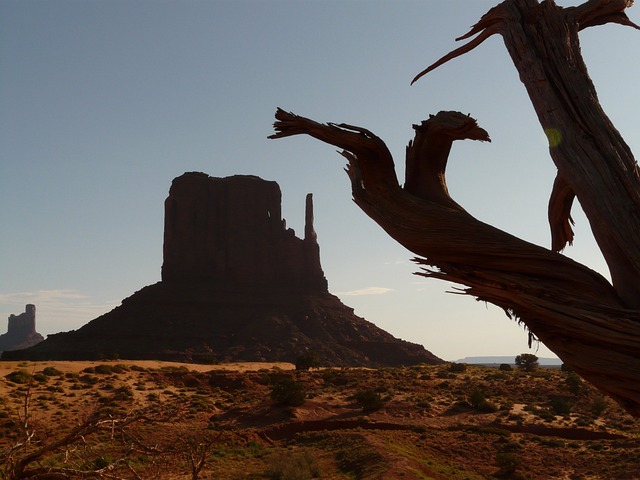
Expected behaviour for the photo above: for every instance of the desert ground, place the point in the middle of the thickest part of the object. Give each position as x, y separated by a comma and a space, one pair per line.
160, 420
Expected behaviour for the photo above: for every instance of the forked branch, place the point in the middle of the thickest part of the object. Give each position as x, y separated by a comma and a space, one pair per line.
591, 325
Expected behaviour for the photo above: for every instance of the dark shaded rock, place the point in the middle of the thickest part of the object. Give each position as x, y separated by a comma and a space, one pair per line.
237, 285
230, 231
21, 331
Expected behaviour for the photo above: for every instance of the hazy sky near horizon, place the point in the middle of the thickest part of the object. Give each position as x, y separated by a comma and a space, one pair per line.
103, 103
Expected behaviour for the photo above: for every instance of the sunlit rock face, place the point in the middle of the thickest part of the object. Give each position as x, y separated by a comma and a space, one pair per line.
21, 331
237, 285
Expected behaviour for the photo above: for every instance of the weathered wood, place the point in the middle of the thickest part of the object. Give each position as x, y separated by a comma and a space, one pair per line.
591, 325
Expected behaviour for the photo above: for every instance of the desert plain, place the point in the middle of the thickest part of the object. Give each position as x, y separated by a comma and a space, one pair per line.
120, 419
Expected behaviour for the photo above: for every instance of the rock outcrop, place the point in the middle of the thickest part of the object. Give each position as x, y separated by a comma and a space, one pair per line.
237, 285
230, 231
21, 331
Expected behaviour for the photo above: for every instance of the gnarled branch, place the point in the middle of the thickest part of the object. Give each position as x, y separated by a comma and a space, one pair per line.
593, 326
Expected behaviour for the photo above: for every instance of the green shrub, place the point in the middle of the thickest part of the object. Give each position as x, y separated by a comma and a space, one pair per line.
598, 406
574, 383
52, 372
19, 376
369, 400
288, 393
120, 368
40, 377
560, 406
103, 369
479, 401
505, 367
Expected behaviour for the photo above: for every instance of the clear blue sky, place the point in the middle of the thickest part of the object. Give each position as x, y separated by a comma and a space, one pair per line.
103, 103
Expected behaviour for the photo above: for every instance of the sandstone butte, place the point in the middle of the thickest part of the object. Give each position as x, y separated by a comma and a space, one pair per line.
21, 330
237, 285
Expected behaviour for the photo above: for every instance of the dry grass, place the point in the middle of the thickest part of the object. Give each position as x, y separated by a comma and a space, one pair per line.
427, 421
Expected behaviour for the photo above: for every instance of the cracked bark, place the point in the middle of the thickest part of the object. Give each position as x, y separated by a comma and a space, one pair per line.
591, 324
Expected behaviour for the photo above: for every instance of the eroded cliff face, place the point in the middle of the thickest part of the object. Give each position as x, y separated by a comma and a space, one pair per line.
21, 331
230, 231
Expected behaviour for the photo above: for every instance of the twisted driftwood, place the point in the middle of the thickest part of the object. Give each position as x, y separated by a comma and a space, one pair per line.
592, 325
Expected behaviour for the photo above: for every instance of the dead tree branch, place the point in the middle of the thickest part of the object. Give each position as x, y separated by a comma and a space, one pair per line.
591, 325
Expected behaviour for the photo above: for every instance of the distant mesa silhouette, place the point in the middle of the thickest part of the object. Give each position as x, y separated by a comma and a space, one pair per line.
21, 331
237, 285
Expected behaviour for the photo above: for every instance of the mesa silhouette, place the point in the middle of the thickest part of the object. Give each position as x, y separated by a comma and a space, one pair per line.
237, 285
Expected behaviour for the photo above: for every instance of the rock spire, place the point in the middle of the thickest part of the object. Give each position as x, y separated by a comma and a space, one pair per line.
21, 331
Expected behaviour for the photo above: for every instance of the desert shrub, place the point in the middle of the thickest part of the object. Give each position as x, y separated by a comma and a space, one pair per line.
507, 463
200, 403
479, 401
51, 372
103, 369
288, 392
505, 367
40, 377
574, 383
137, 368
369, 400
527, 362
292, 466
560, 406
120, 368
598, 406
307, 361
457, 368
19, 376
89, 379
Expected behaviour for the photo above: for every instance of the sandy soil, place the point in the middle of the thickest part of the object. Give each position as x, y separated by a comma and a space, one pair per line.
75, 367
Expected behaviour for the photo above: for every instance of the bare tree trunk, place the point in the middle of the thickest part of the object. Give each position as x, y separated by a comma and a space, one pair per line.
591, 325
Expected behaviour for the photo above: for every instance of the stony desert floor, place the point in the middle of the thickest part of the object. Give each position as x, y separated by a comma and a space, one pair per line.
158, 420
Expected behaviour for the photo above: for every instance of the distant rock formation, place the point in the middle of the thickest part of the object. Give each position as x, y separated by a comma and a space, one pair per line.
21, 332
237, 285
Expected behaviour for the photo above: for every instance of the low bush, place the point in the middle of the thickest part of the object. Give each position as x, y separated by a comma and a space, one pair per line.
479, 401
288, 392
19, 376
507, 463
369, 400
103, 369
560, 406
51, 372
